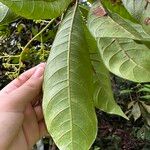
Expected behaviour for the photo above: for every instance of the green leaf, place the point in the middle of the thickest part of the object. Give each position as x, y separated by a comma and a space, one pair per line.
90, 1
135, 7
144, 89
103, 95
119, 14
144, 134
121, 54
140, 9
126, 58
145, 19
127, 91
37, 9
101, 24
136, 112
6, 15
139, 29
146, 107
147, 85
84, 9
117, 7
147, 97
68, 87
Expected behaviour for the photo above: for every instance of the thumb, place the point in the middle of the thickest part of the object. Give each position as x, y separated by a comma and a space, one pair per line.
19, 98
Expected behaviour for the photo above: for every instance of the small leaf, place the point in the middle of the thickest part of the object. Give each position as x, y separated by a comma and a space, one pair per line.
131, 104
144, 89
147, 97
126, 91
136, 112
147, 85
37, 9
144, 134
68, 87
146, 107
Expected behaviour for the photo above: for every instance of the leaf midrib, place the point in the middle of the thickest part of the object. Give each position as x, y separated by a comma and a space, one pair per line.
120, 25
68, 68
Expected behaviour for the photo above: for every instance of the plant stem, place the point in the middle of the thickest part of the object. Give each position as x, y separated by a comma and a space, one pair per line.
20, 59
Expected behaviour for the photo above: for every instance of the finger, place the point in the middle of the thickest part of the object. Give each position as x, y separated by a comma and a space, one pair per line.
18, 99
38, 100
43, 129
39, 113
30, 126
20, 80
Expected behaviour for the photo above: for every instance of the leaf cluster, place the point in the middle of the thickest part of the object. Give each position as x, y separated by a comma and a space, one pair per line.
111, 36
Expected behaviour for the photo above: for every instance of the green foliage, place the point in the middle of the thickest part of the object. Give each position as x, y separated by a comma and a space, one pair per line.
140, 9
103, 95
6, 15
139, 106
37, 9
135, 7
113, 36
117, 45
118, 8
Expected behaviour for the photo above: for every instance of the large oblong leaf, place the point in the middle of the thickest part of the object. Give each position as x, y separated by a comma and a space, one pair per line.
68, 87
37, 9
103, 95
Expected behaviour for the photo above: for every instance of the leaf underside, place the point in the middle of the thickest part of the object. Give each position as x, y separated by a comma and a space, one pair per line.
37, 9
68, 87
122, 54
103, 95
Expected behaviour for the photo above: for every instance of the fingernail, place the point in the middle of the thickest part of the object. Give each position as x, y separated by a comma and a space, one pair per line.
39, 72
42, 64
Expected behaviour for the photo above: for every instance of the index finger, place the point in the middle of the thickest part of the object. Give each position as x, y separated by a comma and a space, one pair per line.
16, 83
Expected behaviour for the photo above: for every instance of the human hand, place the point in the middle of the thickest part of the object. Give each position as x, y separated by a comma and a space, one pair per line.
21, 118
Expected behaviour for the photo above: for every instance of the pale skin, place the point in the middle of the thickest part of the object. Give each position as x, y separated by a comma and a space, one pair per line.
21, 118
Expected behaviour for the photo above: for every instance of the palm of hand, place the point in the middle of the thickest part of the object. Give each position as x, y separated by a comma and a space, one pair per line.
32, 129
